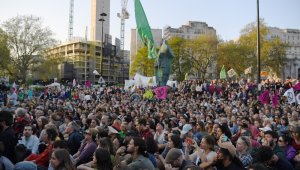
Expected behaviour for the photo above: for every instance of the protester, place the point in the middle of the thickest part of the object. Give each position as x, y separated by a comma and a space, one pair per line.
60, 160
194, 116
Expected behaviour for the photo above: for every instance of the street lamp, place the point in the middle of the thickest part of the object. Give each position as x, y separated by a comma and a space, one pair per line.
258, 44
102, 20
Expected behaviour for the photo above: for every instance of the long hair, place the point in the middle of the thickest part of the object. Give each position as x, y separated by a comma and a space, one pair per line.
103, 160
177, 141
63, 156
138, 141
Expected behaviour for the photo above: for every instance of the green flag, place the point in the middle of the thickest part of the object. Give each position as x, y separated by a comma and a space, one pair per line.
144, 29
223, 73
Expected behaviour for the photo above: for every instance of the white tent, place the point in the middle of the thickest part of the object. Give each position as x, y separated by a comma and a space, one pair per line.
55, 84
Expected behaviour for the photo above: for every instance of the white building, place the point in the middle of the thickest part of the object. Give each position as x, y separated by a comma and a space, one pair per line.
189, 31
98, 7
136, 42
291, 67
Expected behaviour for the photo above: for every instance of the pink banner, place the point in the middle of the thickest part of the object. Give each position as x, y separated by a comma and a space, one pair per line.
275, 99
161, 92
297, 87
88, 84
264, 97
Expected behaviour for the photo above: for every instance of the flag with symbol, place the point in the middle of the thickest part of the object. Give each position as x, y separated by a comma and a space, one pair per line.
264, 97
248, 70
223, 73
231, 73
161, 92
290, 95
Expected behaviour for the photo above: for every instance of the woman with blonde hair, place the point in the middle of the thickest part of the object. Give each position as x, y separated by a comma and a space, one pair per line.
243, 148
60, 160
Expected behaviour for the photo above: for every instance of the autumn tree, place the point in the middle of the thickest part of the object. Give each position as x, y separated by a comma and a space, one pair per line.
142, 64
26, 39
273, 50
242, 53
181, 63
233, 55
202, 52
4, 54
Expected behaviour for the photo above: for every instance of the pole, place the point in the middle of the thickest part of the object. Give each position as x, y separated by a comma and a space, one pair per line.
258, 45
102, 46
85, 51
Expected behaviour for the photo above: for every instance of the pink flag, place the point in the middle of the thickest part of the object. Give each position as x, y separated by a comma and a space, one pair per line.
211, 88
264, 97
275, 99
161, 92
297, 87
88, 84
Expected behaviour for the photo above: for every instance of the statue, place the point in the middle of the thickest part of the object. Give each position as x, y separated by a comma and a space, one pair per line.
163, 64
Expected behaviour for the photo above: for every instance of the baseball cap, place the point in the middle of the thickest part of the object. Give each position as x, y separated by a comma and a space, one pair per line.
264, 129
186, 128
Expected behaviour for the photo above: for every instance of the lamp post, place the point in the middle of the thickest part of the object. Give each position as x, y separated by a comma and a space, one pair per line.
102, 46
258, 44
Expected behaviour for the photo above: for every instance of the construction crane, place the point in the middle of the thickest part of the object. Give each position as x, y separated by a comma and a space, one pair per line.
71, 15
123, 15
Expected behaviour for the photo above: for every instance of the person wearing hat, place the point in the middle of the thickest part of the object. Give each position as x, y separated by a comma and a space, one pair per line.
226, 157
87, 149
174, 159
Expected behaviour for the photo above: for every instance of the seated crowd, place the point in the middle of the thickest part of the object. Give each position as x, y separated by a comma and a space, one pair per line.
191, 129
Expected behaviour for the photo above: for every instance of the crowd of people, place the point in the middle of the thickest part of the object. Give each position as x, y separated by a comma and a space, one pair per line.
200, 125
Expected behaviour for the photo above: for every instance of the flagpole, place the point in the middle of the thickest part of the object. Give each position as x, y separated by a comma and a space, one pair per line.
258, 45
85, 51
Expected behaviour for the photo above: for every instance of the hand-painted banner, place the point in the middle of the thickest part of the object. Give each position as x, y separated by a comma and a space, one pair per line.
264, 97
161, 92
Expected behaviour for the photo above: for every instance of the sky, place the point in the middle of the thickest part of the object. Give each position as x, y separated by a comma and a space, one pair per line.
228, 17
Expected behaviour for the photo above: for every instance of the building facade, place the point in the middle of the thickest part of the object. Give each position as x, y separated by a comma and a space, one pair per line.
86, 58
98, 7
136, 42
191, 30
291, 67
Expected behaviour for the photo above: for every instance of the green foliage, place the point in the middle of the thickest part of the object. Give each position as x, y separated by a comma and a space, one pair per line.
26, 39
202, 52
243, 53
142, 64
181, 63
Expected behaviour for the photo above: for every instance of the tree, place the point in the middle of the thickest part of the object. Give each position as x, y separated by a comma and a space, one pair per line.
26, 38
4, 53
142, 63
202, 51
181, 63
242, 53
233, 55
273, 50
